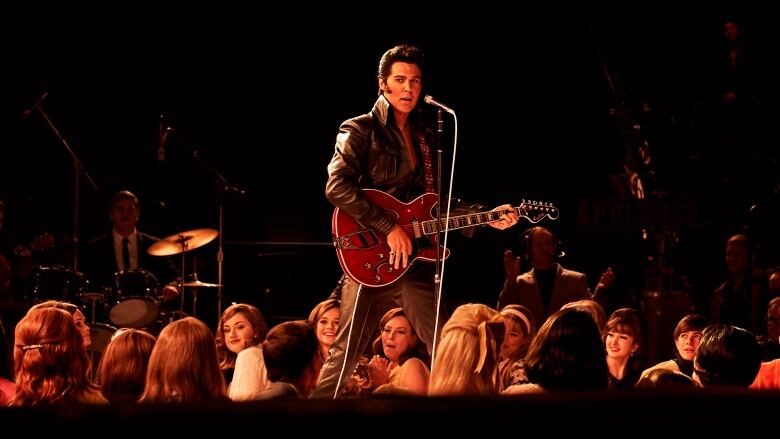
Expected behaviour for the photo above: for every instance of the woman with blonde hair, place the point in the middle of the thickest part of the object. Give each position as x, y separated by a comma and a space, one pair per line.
466, 361
122, 372
50, 362
183, 366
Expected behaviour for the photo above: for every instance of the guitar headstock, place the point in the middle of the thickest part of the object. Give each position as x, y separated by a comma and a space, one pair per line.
535, 211
41, 243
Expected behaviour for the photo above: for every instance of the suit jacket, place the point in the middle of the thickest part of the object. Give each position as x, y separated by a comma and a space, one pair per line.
569, 286
99, 262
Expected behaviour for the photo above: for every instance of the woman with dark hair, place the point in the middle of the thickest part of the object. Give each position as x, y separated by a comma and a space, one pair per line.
687, 336
623, 341
727, 356
401, 357
566, 355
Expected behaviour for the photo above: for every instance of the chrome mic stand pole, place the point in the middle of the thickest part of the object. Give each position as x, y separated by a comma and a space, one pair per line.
437, 271
437, 241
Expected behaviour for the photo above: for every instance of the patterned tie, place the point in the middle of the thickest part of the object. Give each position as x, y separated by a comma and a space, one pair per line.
125, 254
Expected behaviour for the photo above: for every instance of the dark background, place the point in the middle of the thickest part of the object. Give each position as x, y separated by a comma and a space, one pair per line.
256, 98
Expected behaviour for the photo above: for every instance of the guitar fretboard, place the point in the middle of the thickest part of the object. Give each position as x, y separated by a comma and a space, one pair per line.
533, 212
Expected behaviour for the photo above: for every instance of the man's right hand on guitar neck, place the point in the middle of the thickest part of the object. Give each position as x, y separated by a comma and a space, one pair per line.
400, 246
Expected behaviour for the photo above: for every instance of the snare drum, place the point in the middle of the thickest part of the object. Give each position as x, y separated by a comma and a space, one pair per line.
136, 299
58, 283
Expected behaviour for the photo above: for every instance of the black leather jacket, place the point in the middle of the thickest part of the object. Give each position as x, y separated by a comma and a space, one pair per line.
370, 153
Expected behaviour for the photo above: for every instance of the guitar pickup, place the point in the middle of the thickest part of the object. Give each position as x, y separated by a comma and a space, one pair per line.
357, 240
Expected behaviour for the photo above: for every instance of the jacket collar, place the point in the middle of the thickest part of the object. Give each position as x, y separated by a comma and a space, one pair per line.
382, 111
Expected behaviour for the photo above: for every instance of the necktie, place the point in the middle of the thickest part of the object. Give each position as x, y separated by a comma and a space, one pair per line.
125, 254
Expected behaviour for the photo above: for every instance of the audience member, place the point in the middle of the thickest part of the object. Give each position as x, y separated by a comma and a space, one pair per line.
292, 360
183, 366
566, 355
727, 356
122, 372
326, 316
51, 364
466, 361
520, 330
687, 337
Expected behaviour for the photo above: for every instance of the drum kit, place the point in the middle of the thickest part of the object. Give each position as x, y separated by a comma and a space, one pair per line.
132, 300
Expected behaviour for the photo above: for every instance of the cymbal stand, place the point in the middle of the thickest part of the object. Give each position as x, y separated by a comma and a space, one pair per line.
195, 288
183, 244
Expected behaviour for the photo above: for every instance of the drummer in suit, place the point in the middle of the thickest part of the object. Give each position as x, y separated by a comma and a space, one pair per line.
125, 250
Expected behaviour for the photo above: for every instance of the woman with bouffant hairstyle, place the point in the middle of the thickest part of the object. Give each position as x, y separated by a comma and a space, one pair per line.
466, 360
183, 366
122, 372
51, 364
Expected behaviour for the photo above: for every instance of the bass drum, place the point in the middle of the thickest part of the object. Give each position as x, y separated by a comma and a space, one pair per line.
136, 299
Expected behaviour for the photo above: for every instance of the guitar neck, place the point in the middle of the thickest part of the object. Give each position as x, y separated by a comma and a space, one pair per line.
463, 221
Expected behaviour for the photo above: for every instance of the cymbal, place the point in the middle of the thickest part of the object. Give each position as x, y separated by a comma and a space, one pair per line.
181, 242
198, 283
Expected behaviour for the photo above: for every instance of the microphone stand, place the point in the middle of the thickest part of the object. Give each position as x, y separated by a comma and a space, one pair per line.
439, 277
223, 186
78, 168
436, 276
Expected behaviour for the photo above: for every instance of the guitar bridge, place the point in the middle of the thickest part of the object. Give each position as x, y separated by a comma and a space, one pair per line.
357, 240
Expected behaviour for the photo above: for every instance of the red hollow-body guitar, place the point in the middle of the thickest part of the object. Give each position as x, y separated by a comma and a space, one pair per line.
363, 252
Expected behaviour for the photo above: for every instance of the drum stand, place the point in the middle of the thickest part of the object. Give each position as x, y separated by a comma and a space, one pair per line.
182, 243
94, 355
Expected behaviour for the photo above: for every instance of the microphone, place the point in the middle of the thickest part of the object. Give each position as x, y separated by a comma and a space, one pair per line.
28, 112
431, 101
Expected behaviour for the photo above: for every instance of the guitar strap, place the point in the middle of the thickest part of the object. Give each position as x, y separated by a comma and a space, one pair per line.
427, 163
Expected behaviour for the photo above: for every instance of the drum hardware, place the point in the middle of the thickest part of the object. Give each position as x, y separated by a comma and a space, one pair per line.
136, 304
182, 243
195, 285
92, 299
58, 283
